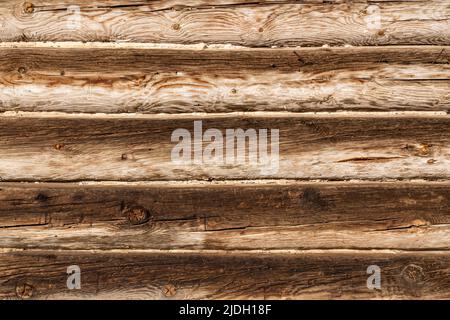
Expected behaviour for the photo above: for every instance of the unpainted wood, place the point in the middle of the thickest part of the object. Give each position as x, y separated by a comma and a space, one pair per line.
90, 79
192, 275
37, 147
286, 23
226, 216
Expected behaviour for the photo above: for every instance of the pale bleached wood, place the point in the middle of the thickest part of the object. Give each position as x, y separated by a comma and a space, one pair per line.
235, 22
227, 215
61, 147
112, 80
219, 275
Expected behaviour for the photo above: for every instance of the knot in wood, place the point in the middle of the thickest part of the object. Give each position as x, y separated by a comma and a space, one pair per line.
413, 273
137, 215
169, 290
59, 146
24, 291
28, 7
424, 150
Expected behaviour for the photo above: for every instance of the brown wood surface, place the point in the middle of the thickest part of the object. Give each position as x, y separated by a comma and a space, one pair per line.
88, 105
245, 23
83, 78
159, 275
226, 216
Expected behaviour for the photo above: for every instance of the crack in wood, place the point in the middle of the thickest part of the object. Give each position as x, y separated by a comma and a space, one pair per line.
370, 159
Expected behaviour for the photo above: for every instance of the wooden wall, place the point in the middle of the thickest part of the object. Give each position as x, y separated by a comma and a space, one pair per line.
360, 93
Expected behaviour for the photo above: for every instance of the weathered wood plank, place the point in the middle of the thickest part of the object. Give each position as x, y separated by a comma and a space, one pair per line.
240, 23
228, 215
303, 275
61, 147
82, 78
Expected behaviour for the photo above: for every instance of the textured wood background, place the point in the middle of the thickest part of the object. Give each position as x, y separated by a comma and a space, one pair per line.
88, 104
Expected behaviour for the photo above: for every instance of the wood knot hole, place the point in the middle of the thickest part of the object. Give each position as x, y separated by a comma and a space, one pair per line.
41, 197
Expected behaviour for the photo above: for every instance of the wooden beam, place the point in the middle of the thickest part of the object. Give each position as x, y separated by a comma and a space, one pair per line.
83, 78
288, 23
219, 275
226, 215
62, 147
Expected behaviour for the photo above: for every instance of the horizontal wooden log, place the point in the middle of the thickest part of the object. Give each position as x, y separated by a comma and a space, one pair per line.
287, 23
61, 147
83, 78
216, 275
226, 216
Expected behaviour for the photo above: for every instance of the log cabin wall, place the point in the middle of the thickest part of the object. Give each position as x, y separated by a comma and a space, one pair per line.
91, 92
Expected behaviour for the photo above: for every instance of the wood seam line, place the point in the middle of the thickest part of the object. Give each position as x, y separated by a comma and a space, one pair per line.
198, 46
205, 115
209, 181
235, 182
230, 252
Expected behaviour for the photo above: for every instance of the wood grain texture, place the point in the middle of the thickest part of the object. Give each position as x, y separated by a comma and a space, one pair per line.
42, 275
36, 147
97, 107
226, 216
83, 78
287, 23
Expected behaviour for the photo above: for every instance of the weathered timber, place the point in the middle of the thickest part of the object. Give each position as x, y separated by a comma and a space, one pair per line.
193, 275
85, 78
61, 147
226, 216
286, 23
